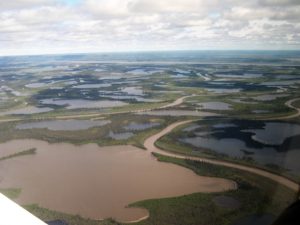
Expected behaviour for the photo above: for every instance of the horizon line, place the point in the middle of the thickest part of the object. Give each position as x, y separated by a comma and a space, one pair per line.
151, 51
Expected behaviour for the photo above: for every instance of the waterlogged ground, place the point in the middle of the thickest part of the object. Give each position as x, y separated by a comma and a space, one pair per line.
266, 142
31, 86
243, 103
97, 182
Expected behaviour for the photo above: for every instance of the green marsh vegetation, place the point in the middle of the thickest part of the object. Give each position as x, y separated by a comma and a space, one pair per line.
256, 194
296, 104
48, 215
11, 193
98, 135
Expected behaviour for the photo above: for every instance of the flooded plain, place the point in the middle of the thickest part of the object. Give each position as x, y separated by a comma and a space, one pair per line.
266, 143
274, 133
236, 148
97, 182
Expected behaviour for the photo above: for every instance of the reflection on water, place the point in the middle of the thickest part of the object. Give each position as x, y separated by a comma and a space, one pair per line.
265, 144
79, 103
63, 124
224, 125
87, 86
133, 90
36, 85
140, 126
215, 105
281, 83
237, 148
129, 97
142, 71
223, 90
274, 133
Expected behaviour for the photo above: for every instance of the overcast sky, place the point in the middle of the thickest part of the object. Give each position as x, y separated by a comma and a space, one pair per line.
60, 26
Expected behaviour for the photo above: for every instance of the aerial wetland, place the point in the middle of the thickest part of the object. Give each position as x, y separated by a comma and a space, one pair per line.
268, 143
97, 182
177, 138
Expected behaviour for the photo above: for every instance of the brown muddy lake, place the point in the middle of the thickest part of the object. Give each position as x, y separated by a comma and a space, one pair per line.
96, 182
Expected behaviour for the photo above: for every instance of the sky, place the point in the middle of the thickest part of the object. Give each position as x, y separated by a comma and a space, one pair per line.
77, 26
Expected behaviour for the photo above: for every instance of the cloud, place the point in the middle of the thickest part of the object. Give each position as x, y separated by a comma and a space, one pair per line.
276, 3
106, 9
22, 4
144, 6
29, 26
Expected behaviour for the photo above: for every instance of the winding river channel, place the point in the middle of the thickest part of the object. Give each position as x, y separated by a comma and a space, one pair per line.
100, 182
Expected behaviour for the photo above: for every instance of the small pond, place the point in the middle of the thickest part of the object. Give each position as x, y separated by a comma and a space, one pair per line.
140, 126
120, 136
215, 105
63, 124
80, 103
133, 90
87, 86
223, 90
